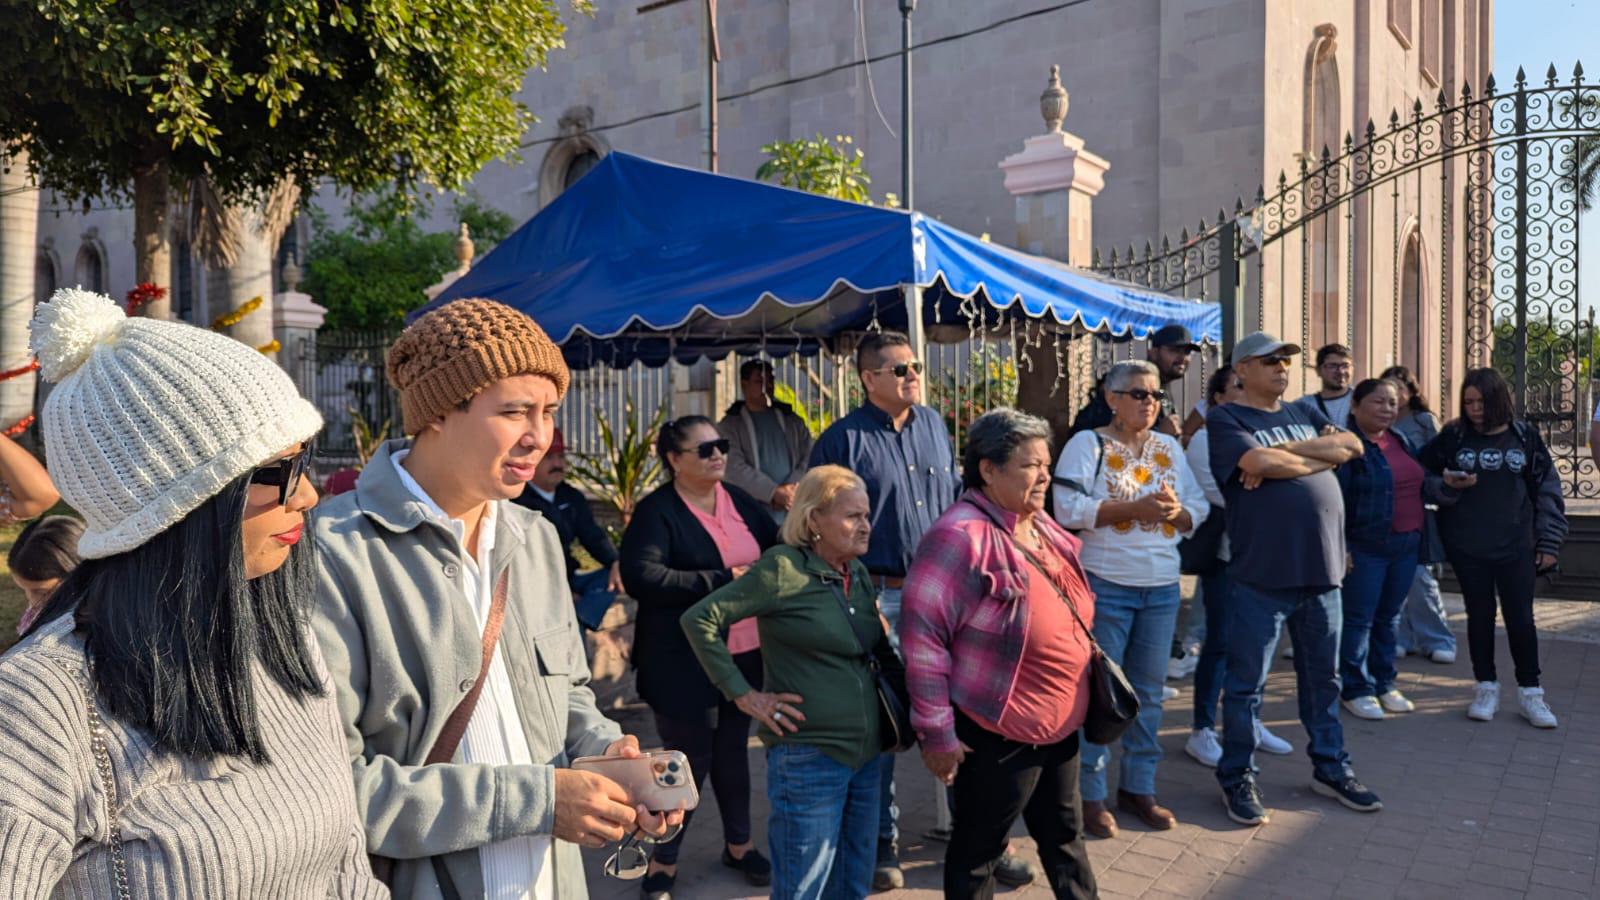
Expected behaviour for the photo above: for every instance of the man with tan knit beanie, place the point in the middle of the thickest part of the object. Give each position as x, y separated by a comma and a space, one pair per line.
425, 572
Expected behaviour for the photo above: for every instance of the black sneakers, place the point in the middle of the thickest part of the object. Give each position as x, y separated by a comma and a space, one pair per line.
757, 870
1243, 801
1349, 791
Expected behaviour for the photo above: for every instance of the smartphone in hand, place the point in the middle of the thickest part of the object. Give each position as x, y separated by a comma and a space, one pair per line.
660, 780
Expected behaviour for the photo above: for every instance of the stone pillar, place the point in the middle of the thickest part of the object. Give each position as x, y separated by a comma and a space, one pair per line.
295, 320
1054, 180
19, 224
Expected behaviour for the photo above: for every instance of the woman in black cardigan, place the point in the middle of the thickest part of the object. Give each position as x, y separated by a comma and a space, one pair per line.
689, 537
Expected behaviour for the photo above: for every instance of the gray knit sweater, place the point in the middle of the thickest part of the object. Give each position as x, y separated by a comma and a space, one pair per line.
227, 828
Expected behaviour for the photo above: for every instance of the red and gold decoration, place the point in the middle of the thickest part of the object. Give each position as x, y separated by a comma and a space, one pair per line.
145, 292
228, 320
22, 424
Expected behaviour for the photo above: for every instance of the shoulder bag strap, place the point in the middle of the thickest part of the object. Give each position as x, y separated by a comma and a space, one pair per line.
849, 620
1099, 463
1043, 572
455, 727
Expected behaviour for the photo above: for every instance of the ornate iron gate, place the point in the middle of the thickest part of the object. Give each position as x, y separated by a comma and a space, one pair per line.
1446, 241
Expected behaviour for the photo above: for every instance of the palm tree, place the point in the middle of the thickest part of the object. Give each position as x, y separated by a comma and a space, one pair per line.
1581, 173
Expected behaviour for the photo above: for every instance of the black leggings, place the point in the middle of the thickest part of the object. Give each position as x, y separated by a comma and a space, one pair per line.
1513, 580
717, 745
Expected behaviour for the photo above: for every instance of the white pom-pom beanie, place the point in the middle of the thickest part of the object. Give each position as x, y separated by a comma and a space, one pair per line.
150, 419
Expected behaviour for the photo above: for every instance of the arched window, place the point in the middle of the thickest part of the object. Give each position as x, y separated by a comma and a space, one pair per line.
90, 268
571, 157
1323, 130
45, 281
1409, 317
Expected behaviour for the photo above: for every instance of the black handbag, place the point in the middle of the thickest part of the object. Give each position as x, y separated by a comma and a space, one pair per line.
1197, 553
889, 674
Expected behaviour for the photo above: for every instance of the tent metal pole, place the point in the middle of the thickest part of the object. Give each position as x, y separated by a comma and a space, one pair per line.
914, 327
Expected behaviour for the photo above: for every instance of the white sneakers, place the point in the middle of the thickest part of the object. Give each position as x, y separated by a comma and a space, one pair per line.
1364, 708
1534, 709
1168, 692
1181, 667
1443, 656
1485, 701
1206, 748
1271, 743
1396, 702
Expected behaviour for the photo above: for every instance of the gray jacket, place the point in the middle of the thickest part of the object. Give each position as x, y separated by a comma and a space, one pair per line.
744, 457
403, 645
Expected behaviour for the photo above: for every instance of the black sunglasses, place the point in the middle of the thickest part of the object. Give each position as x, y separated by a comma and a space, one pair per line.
284, 474
1141, 395
899, 370
705, 448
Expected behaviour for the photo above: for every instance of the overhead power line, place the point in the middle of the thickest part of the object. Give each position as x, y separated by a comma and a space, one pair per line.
823, 73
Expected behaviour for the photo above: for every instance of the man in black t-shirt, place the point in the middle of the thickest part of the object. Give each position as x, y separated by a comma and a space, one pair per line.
1285, 517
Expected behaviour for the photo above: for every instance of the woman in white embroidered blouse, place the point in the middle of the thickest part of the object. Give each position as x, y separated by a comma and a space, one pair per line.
1130, 494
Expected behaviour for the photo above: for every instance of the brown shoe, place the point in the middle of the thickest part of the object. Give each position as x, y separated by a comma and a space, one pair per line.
1149, 812
1098, 822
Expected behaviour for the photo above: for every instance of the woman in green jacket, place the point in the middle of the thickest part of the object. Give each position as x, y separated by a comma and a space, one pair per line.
814, 606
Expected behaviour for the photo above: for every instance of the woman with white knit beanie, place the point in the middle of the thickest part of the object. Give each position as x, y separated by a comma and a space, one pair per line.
168, 728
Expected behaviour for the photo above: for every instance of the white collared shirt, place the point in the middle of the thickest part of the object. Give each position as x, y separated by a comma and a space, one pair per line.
521, 867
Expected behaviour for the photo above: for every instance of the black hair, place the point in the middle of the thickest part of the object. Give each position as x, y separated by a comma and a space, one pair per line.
872, 345
672, 435
751, 366
1217, 384
1328, 350
175, 630
1366, 386
1496, 394
1417, 403
47, 549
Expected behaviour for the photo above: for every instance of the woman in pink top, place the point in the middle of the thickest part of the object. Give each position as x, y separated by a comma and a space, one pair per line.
997, 664
691, 536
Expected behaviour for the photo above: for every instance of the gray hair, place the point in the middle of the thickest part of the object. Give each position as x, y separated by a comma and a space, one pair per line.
1124, 373
995, 436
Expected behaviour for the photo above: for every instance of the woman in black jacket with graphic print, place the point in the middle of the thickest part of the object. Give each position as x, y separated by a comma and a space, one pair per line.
1502, 522
691, 536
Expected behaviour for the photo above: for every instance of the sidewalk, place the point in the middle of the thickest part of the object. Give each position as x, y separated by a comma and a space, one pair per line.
1471, 810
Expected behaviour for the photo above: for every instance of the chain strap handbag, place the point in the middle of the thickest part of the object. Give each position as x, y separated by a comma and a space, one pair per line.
108, 785
889, 676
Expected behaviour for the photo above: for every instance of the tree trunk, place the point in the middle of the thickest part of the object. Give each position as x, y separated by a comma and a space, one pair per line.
230, 288
1035, 383
19, 242
152, 234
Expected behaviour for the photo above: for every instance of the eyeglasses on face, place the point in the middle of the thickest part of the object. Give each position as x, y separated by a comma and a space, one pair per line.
899, 370
1142, 395
706, 449
284, 474
1276, 359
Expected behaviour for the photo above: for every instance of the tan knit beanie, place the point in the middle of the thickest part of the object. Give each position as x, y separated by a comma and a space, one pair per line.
449, 355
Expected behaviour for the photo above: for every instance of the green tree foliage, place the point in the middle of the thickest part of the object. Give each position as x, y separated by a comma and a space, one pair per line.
818, 166
366, 94
373, 271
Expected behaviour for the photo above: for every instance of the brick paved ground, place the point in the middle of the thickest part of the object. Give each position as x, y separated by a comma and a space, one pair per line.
1472, 810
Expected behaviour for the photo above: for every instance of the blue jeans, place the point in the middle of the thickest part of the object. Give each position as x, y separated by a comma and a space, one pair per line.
590, 596
1255, 618
1424, 626
1134, 627
1374, 591
888, 813
823, 824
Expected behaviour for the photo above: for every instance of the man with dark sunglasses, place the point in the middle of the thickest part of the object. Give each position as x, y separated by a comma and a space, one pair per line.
901, 450
1285, 519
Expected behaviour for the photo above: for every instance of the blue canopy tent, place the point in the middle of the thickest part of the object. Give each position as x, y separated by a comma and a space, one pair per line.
650, 262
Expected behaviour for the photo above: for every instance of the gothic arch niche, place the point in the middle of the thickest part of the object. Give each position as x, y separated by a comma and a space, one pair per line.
46, 274
1323, 128
577, 151
1410, 339
90, 267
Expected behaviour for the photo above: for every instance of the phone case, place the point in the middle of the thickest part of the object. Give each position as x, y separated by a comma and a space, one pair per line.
660, 780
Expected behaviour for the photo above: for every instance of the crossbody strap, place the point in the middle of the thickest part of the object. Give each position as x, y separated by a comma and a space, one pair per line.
1044, 573
844, 608
455, 727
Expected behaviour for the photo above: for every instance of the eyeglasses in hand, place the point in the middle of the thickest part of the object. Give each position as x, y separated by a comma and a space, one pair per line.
631, 861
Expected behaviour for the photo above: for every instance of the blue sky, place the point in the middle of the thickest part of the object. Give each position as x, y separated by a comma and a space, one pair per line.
1533, 34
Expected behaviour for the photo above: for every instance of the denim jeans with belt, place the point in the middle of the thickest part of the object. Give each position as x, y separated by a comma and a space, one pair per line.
823, 827
1255, 619
1374, 592
1134, 626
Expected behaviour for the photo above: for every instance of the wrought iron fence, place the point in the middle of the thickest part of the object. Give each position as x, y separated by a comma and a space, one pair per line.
343, 374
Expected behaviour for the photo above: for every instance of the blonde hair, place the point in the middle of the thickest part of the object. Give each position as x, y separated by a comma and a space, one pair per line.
817, 490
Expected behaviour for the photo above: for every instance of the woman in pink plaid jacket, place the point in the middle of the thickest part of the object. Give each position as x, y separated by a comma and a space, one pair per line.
997, 663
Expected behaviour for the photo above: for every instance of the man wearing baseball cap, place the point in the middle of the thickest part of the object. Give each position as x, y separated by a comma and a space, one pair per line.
565, 507
444, 614
1285, 517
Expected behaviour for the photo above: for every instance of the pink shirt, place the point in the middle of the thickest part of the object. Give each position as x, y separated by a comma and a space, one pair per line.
738, 548
1407, 474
